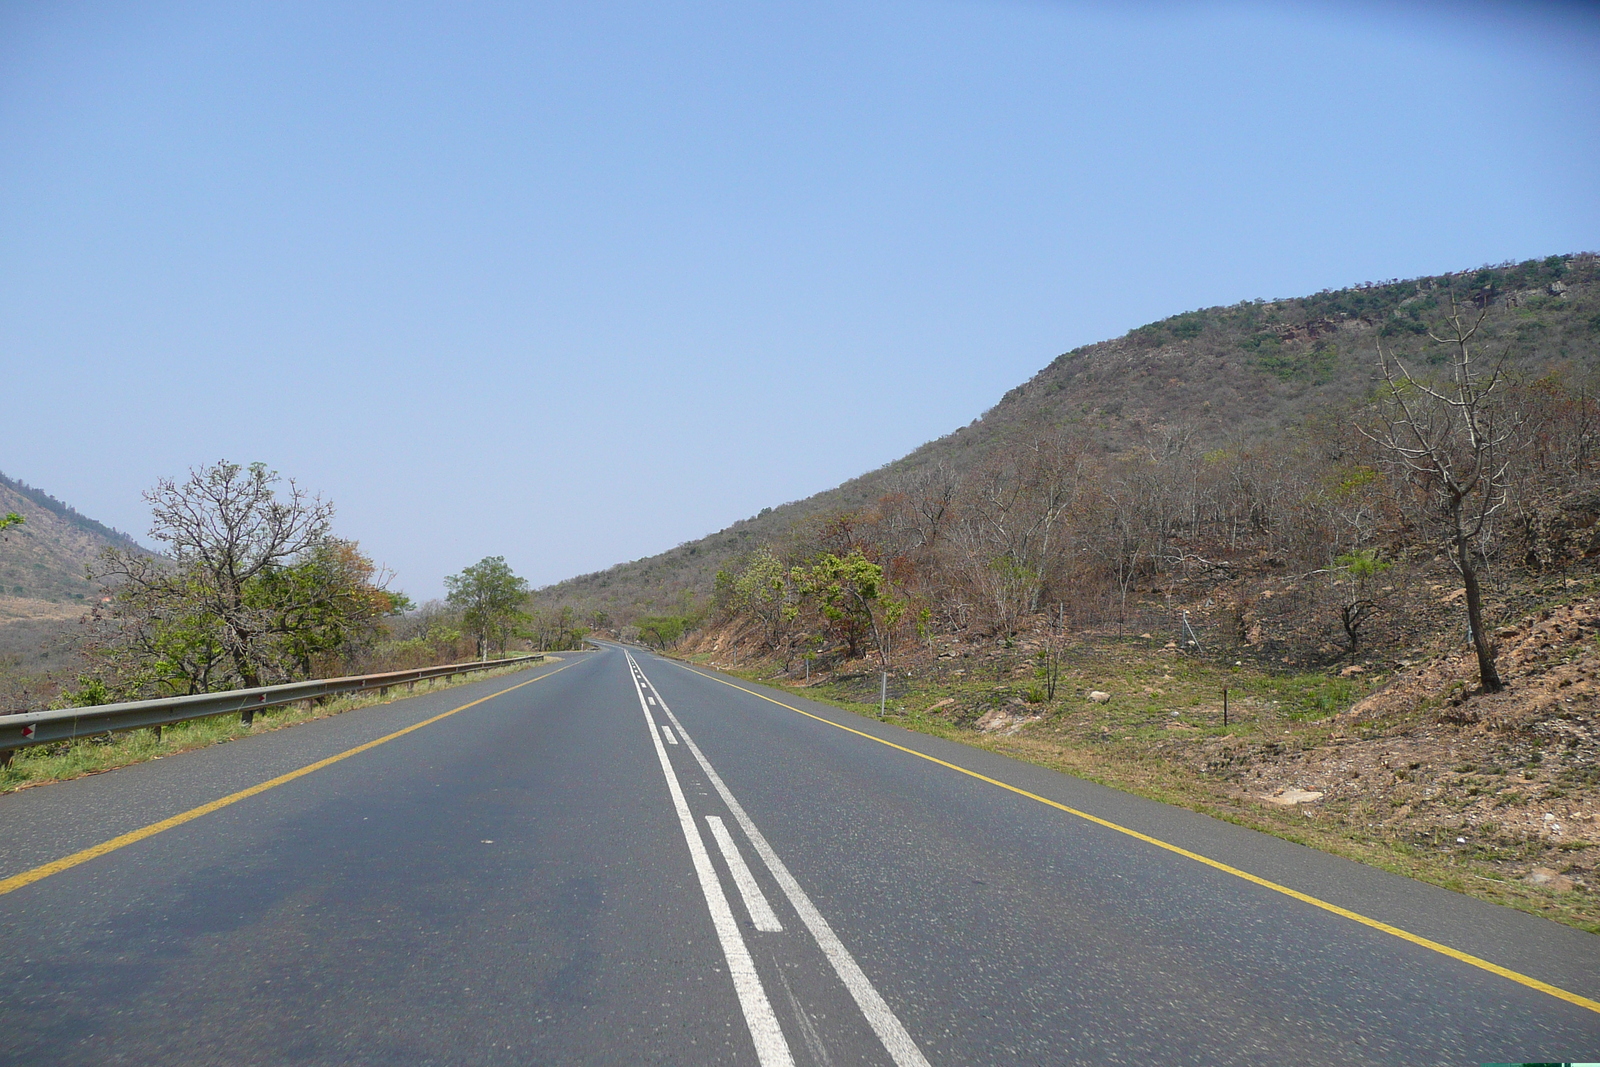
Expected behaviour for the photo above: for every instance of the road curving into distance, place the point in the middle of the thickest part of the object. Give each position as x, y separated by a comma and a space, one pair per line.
621, 859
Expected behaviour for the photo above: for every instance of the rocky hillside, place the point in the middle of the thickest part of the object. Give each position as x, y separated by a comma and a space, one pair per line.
1219, 377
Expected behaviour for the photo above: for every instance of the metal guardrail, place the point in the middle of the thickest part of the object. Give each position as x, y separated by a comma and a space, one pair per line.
46, 727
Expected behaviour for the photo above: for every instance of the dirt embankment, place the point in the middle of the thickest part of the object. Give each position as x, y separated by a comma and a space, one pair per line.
1513, 775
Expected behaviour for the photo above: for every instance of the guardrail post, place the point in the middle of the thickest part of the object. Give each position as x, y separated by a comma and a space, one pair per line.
5, 757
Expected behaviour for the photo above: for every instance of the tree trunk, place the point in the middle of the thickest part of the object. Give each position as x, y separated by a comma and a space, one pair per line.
1487, 674
1347, 616
252, 680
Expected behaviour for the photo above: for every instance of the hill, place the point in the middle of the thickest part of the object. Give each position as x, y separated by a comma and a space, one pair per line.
1193, 562
1224, 376
44, 589
47, 557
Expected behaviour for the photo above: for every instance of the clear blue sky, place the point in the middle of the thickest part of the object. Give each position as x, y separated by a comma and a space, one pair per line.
575, 283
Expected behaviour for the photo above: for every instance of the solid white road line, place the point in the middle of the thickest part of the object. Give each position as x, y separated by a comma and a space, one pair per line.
666, 732
896, 1040
755, 901
771, 1048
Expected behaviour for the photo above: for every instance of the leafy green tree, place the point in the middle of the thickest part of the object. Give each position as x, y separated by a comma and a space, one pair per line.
490, 597
328, 606
11, 519
664, 631
153, 637
763, 590
555, 628
429, 634
226, 527
851, 594
660, 631
399, 603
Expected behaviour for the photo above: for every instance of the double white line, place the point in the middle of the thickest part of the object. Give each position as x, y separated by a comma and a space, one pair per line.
771, 1048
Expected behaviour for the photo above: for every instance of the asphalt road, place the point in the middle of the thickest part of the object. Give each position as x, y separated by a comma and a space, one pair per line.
623, 860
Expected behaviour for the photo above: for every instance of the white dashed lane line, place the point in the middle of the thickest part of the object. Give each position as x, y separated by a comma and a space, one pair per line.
897, 1042
755, 901
771, 1048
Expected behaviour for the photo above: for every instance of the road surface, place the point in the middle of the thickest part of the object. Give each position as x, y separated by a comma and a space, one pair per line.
620, 859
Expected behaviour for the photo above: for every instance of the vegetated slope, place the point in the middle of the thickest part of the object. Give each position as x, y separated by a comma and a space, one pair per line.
44, 589
1213, 377
47, 557
1181, 562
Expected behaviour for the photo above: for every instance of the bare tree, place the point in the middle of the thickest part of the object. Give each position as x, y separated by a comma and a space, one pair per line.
1453, 442
1354, 575
226, 530
1121, 535
1013, 523
925, 503
1049, 660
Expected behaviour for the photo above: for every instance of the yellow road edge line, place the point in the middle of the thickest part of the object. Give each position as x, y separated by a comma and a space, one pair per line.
1346, 913
17, 881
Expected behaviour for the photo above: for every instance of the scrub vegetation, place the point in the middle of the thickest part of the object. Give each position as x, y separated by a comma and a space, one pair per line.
1372, 514
1260, 393
252, 588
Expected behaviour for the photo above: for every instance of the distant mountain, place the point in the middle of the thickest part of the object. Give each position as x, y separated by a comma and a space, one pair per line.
1214, 377
46, 558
